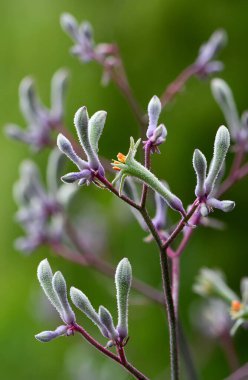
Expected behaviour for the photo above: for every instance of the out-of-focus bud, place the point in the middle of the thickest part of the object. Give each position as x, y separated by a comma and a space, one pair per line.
58, 93
211, 48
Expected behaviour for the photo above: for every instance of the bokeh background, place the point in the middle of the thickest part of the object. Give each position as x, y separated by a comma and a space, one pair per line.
157, 40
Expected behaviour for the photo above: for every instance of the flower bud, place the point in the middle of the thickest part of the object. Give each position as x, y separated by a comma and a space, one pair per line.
29, 103
221, 146
159, 135
225, 206
59, 286
47, 336
81, 121
154, 110
107, 321
45, 277
58, 92
82, 302
96, 125
69, 25
244, 290
224, 97
123, 280
200, 166
211, 48
65, 146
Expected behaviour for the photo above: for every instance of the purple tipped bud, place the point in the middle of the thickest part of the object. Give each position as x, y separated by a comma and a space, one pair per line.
65, 146
211, 48
225, 206
159, 135
154, 110
47, 336
159, 219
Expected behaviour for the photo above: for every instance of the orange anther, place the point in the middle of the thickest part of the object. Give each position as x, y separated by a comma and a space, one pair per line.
236, 306
121, 157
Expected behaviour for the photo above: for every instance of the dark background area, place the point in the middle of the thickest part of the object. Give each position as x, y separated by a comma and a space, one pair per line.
157, 40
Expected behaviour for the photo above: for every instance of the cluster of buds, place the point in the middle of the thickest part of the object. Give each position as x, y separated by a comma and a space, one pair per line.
40, 120
205, 63
207, 184
238, 126
85, 48
55, 289
40, 210
155, 134
89, 131
211, 283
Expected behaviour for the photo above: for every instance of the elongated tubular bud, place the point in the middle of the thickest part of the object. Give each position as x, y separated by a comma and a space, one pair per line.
221, 146
47, 336
58, 93
107, 321
210, 49
29, 103
81, 122
224, 97
123, 280
45, 277
159, 219
154, 110
200, 166
139, 171
65, 146
96, 125
59, 286
82, 302
225, 206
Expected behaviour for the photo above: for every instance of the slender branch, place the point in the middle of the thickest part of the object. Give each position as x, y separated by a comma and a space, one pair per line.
129, 367
177, 85
147, 163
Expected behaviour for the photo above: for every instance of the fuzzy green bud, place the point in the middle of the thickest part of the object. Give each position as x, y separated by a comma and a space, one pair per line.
221, 146
96, 125
200, 166
107, 321
59, 286
123, 280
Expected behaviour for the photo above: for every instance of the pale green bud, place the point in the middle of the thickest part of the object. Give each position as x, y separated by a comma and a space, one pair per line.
59, 286
123, 280
224, 97
45, 277
107, 321
81, 122
96, 125
200, 166
221, 146
82, 302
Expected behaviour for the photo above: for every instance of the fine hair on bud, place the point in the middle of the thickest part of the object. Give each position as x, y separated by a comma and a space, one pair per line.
200, 166
59, 285
123, 280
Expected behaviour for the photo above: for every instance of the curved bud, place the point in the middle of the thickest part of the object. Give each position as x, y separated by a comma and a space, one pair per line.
123, 280
86, 32
200, 166
59, 286
154, 110
16, 133
96, 125
159, 219
47, 336
58, 93
65, 146
210, 49
225, 206
224, 97
107, 321
45, 277
221, 146
69, 25
71, 177
82, 302
81, 122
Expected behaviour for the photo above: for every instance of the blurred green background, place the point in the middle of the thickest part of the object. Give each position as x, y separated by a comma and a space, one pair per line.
157, 40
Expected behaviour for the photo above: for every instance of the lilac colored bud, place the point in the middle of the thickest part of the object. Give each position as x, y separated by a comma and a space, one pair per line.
69, 25
60, 288
154, 110
210, 68
225, 206
14, 132
204, 211
159, 135
86, 33
211, 48
58, 92
85, 175
65, 146
47, 336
